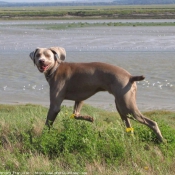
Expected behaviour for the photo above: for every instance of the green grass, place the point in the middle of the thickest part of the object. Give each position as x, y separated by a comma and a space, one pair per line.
102, 147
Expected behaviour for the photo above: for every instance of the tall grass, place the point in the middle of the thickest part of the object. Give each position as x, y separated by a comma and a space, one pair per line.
74, 146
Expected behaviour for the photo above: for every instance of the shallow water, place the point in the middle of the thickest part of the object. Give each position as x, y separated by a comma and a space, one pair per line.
147, 51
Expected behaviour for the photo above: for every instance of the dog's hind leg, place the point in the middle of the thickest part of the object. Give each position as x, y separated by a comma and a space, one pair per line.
132, 110
148, 122
76, 113
124, 118
125, 100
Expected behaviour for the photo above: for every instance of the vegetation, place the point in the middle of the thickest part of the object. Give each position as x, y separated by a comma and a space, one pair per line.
107, 24
79, 147
70, 25
89, 12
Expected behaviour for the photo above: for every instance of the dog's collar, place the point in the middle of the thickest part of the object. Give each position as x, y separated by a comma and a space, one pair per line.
48, 75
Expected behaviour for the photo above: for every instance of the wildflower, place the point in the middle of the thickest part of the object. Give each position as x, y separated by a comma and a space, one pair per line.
72, 116
129, 129
146, 168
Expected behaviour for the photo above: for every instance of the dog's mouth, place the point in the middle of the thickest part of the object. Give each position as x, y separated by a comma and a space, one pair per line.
43, 67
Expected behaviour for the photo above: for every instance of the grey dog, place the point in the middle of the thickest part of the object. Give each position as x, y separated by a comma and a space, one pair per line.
79, 81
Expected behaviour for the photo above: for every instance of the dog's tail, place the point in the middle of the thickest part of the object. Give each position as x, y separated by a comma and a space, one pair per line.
136, 78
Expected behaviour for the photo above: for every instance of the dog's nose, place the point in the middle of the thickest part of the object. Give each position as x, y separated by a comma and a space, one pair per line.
41, 61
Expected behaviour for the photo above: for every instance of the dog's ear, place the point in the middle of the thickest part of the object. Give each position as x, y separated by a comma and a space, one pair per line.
59, 53
32, 55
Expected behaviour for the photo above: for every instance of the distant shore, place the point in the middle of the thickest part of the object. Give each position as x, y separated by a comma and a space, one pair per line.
89, 12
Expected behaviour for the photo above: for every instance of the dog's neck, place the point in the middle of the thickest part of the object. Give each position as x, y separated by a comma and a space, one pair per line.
51, 72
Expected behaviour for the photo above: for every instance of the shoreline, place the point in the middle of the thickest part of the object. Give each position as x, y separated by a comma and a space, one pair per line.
107, 107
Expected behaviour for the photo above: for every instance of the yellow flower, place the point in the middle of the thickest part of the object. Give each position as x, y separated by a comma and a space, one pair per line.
72, 116
146, 168
129, 129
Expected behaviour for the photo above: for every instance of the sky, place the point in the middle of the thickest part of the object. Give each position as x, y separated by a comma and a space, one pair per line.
54, 0
38, 0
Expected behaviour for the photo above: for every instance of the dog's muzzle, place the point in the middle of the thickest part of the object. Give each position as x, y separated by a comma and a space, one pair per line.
43, 66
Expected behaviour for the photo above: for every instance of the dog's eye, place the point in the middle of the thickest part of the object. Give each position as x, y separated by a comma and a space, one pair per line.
38, 55
47, 55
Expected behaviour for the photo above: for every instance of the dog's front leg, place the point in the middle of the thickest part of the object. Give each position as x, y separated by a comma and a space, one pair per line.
53, 112
51, 117
77, 107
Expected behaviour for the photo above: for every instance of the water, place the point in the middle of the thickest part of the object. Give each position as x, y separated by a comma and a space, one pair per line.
147, 51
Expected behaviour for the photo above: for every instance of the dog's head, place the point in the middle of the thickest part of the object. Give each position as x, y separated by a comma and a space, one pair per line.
45, 58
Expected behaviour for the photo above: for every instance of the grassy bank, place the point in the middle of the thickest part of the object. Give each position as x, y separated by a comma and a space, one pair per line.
90, 12
73, 146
